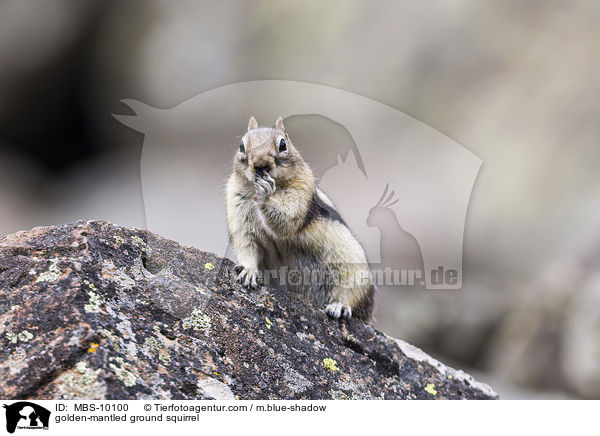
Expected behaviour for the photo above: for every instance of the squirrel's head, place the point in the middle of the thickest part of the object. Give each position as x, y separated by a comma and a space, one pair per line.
267, 151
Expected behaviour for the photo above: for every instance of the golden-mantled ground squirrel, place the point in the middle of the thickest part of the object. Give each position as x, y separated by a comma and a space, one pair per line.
287, 233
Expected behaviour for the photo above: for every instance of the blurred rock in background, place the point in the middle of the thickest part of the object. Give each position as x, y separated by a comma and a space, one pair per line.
514, 82
551, 337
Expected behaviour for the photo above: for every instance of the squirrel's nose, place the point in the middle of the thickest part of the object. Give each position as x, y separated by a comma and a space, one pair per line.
262, 167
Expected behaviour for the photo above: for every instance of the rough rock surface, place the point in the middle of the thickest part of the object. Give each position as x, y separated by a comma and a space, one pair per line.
96, 311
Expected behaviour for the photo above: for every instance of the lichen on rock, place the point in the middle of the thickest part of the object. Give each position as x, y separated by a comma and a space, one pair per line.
91, 310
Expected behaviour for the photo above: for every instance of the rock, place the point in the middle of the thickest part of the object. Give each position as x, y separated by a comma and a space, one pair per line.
551, 337
455, 325
96, 311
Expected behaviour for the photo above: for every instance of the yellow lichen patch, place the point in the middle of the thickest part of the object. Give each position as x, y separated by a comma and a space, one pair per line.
118, 239
430, 389
269, 323
209, 266
330, 364
93, 347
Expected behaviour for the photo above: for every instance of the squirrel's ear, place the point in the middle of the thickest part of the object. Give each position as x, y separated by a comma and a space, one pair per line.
252, 124
279, 124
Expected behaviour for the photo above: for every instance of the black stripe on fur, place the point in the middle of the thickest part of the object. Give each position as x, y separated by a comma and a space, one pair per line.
319, 209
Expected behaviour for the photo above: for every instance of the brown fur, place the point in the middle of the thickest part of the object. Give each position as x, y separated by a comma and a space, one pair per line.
278, 219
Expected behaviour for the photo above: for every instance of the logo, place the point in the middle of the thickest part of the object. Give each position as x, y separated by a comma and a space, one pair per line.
26, 416
402, 187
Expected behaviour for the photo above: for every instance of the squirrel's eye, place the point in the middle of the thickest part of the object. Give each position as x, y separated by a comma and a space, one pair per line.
242, 148
282, 145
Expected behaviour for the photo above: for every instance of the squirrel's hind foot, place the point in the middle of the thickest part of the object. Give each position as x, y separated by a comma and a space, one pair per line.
247, 278
338, 310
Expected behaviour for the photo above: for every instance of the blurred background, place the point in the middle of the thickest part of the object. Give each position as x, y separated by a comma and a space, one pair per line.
514, 82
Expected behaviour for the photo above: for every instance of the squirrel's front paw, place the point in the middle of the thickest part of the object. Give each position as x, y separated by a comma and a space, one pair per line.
247, 277
264, 185
338, 310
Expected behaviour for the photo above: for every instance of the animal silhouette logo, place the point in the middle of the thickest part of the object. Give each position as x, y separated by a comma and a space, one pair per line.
188, 150
26, 415
399, 249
